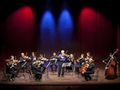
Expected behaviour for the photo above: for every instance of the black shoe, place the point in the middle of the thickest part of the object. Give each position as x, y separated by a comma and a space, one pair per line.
90, 78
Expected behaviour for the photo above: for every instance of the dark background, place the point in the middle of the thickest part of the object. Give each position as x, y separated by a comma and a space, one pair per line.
98, 32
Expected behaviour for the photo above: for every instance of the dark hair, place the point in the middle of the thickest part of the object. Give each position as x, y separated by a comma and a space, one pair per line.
110, 54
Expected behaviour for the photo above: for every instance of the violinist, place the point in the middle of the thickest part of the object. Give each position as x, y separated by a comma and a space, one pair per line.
53, 62
87, 57
62, 58
107, 61
79, 63
42, 60
36, 70
11, 69
89, 69
23, 62
33, 57
70, 60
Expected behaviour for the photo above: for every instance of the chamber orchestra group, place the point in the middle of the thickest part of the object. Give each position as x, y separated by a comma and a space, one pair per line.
36, 65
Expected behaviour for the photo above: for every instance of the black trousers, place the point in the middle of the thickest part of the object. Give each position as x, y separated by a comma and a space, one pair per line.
77, 68
87, 75
37, 74
13, 74
61, 69
115, 70
51, 66
44, 67
23, 67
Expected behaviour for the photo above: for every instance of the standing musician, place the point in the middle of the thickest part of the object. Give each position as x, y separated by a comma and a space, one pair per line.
88, 69
70, 59
87, 57
10, 67
36, 70
33, 57
53, 61
111, 65
42, 60
79, 63
62, 58
23, 62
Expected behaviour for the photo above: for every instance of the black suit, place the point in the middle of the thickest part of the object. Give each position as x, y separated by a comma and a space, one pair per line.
89, 71
12, 71
36, 70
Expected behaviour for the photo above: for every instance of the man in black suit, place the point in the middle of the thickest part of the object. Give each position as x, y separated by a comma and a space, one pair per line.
90, 70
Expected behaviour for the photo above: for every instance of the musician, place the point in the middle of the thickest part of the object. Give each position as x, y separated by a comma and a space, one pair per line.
43, 59
62, 59
87, 57
113, 58
33, 57
23, 62
79, 63
90, 70
70, 59
11, 69
53, 62
36, 70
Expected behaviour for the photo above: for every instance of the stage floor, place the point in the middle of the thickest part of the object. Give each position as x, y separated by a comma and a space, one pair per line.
70, 78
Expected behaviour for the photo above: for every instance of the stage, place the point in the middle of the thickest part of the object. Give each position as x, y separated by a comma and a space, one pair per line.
70, 81
51, 78
47, 26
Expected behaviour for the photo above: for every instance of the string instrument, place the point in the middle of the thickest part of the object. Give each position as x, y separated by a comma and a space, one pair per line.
65, 55
12, 63
37, 63
85, 67
54, 59
118, 69
109, 69
26, 58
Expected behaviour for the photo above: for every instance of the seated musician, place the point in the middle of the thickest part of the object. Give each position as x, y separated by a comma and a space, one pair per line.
53, 62
11, 69
23, 62
62, 59
43, 59
36, 70
113, 58
90, 70
70, 59
79, 63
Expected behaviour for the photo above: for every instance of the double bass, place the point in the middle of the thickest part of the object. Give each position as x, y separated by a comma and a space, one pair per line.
109, 69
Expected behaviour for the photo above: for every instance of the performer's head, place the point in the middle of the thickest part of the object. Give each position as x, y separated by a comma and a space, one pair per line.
41, 55
91, 60
71, 55
88, 53
110, 55
22, 54
54, 54
12, 57
62, 51
33, 54
82, 55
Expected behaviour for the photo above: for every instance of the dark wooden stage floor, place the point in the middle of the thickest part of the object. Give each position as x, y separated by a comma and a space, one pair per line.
70, 78
70, 81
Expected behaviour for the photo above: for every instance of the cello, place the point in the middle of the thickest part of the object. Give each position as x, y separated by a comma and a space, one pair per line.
109, 68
